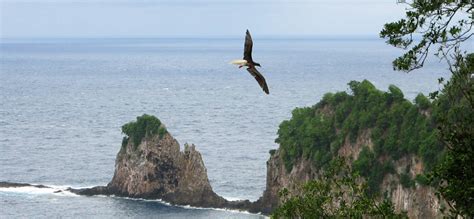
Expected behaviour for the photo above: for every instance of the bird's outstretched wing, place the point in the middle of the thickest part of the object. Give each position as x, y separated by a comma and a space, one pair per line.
248, 47
260, 79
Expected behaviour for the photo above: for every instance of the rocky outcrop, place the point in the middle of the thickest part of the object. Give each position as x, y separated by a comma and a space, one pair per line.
278, 178
418, 201
157, 169
13, 185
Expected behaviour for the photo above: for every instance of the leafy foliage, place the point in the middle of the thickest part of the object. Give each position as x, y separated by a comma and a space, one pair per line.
454, 176
422, 179
272, 151
145, 126
337, 193
406, 181
396, 126
442, 23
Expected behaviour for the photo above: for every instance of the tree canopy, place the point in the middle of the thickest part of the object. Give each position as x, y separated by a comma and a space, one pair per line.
145, 126
454, 176
396, 126
439, 25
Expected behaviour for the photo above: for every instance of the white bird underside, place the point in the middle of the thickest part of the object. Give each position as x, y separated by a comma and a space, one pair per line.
239, 62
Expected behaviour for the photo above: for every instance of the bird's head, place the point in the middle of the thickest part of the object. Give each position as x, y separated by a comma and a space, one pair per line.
257, 64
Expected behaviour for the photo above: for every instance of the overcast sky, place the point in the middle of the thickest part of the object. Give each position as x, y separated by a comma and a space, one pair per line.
194, 18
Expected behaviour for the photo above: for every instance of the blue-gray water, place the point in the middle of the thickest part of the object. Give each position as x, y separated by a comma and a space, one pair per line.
63, 102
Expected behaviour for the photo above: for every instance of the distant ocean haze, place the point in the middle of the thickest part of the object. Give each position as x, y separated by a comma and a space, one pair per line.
63, 102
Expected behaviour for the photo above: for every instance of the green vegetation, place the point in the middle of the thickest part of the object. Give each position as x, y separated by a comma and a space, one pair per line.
429, 25
396, 126
272, 151
406, 181
444, 25
336, 194
454, 176
422, 179
368, 166
145, 126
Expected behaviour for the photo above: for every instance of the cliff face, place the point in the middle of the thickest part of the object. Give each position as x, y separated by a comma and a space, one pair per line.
278, 178
156, 168
418, 201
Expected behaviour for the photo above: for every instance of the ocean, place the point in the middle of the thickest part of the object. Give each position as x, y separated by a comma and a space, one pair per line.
63, 102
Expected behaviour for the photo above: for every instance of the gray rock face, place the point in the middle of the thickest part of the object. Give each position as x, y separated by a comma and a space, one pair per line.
13, 185
157, 169
278, 178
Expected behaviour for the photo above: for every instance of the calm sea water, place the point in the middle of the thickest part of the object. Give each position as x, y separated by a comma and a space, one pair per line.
63, 102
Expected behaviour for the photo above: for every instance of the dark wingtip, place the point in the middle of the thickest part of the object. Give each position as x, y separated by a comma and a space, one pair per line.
266, 91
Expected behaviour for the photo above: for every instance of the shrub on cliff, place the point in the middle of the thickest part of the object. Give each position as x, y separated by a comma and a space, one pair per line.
335, 194
145, 126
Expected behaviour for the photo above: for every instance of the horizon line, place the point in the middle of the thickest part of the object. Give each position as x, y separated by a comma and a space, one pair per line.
262, 37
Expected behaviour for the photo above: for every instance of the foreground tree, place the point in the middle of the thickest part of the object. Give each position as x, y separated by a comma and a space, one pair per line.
454, 112
444, 25
439, 25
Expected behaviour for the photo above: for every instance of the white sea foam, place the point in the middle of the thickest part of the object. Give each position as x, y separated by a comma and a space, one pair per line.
233, 199
220, 209
52, 190
60, 191
190, 207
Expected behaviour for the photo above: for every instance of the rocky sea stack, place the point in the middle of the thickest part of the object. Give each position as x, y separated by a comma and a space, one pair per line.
156, 168
150, 165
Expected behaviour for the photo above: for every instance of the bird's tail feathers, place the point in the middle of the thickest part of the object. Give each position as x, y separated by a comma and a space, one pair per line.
239, 62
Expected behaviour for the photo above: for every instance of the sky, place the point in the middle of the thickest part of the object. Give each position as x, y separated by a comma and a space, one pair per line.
195, 18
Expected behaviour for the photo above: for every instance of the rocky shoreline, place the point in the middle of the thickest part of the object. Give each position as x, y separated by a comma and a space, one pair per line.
157, 169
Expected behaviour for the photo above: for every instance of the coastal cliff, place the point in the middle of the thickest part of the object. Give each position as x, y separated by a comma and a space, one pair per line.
418, 201
389, 141
278, 178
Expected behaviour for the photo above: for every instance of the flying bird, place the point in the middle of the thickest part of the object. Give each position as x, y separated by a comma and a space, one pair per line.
248, 61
